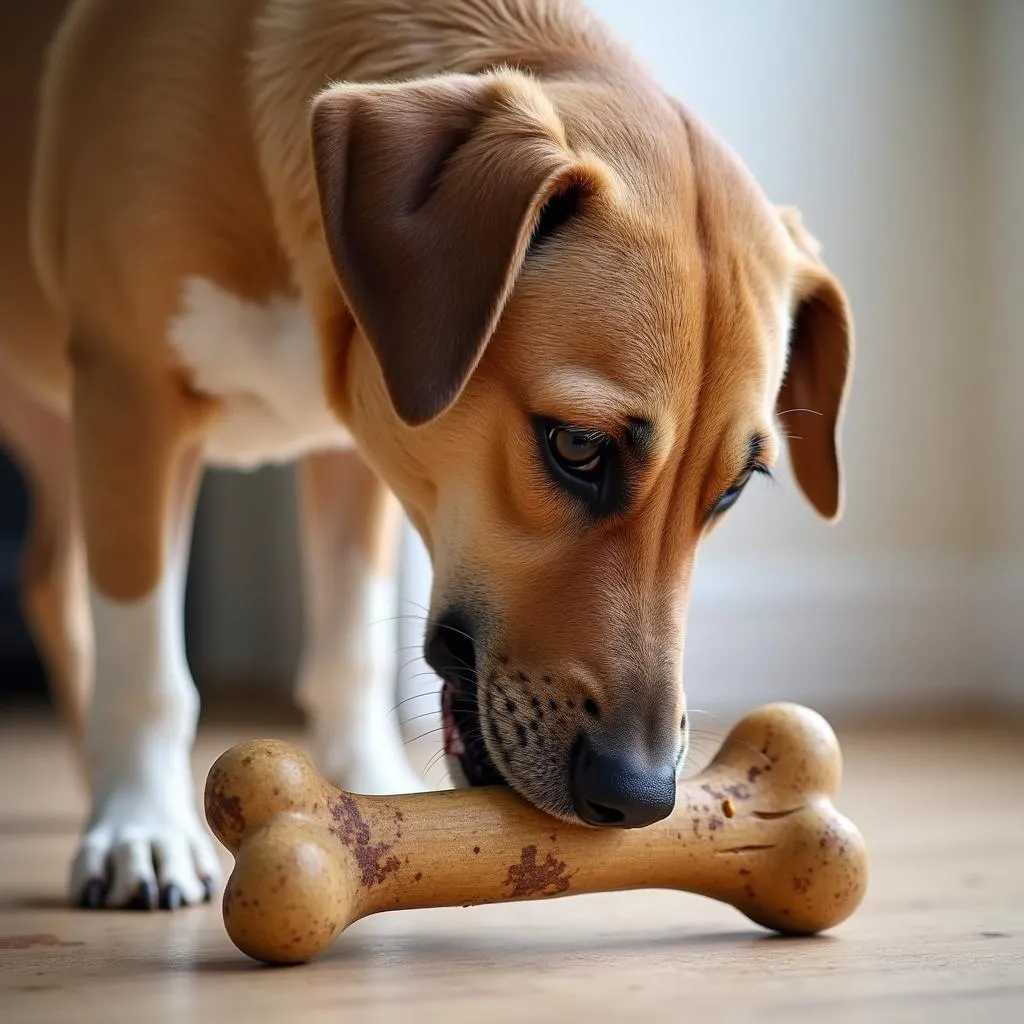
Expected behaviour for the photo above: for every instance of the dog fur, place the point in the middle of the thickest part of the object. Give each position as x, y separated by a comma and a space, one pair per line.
318, 230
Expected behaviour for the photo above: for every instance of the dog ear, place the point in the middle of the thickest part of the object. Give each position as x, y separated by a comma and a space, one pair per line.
813, 395
430, 192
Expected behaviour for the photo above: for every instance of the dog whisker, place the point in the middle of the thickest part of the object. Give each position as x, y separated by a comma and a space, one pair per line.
463, 666
423, 735
813, 412
420, 673
402, 616
423, 714
415, 696
434, 691
409, 664
721, 739
457, 631
425, 671
463, 675
441, 776
434, 760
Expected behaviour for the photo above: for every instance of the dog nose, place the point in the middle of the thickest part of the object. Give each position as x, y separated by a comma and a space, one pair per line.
615, 790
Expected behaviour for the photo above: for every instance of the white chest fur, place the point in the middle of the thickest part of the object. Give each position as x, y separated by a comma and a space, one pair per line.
262, 362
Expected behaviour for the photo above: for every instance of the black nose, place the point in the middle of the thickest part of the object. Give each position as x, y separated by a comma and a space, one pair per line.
613, 790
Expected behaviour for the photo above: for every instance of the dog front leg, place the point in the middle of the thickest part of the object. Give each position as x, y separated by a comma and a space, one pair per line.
138, 463
54, 593
347, 677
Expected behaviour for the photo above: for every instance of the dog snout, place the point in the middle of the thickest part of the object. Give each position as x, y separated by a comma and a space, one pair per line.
615, 785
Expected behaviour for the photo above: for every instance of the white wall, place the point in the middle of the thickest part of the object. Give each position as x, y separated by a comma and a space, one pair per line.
862, 114
1001, 441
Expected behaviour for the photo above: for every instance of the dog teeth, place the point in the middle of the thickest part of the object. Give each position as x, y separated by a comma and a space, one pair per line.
453, 745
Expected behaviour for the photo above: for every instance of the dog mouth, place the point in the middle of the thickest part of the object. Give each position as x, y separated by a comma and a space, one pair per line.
451, 652
464, 746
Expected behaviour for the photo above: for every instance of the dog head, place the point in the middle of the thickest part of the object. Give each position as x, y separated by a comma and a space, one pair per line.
577, 322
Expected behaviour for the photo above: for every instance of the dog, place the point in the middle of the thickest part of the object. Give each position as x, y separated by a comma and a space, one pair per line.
462, 259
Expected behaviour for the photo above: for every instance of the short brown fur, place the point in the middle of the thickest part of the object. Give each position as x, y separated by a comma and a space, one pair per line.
197, 138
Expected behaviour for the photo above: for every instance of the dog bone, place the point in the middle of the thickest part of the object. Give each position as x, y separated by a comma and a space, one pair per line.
756, 829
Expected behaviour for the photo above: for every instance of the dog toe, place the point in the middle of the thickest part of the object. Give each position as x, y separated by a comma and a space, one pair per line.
145, 897
132, 875
165, 865
181, 869
93, 894
171, 898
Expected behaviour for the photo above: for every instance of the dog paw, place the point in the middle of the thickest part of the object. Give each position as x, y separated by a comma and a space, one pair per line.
144, 851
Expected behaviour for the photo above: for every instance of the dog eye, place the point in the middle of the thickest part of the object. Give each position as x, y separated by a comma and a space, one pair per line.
731, 496
576, 450
584, 463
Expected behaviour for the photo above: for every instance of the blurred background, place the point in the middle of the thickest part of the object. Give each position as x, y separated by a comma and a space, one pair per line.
898, 129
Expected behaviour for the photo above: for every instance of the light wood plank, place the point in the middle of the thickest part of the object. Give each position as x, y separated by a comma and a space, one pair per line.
939, 937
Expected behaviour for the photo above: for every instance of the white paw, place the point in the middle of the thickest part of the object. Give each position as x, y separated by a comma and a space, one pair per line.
145, 847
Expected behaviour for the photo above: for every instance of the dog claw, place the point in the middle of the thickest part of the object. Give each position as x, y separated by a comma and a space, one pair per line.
146, 897
93, 894
171, 898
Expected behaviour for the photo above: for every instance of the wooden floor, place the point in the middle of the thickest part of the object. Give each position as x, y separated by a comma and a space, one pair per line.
940, 936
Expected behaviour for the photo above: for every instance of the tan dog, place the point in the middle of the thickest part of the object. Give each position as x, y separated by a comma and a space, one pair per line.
554, 313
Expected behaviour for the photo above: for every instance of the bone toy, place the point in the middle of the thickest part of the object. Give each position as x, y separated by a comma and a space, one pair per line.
756, 829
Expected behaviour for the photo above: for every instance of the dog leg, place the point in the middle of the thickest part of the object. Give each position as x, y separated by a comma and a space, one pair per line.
347, 678
138, 462
53, 584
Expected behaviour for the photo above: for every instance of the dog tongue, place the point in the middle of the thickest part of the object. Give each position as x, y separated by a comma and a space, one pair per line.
453, 745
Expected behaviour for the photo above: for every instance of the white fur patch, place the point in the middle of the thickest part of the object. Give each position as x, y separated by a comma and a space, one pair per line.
144, 829
263, 363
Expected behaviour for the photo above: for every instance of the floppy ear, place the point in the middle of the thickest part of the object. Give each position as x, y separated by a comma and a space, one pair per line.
813, 394
430, 191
